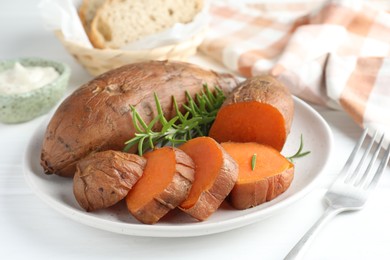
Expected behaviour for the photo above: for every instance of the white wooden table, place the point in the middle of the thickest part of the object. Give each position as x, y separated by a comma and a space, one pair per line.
29, 229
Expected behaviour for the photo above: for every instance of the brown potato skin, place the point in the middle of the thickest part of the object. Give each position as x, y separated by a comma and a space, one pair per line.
210, 200
265, 89
97, 116
173, 195
247, 195
102, 179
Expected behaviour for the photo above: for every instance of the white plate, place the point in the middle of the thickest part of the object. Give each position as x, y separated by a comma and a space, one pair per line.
57, 191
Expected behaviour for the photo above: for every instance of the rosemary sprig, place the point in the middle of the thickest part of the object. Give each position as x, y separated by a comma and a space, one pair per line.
196, 121
299, 153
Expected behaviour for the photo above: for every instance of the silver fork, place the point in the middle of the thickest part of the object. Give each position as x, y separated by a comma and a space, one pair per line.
350, 190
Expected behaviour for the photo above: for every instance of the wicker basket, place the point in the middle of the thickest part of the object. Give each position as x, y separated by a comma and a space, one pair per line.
97, 61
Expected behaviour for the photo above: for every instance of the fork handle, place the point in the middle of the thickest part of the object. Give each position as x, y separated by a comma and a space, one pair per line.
298, 250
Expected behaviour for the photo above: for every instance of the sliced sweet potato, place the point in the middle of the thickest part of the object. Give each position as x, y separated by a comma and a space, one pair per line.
104, 178
259, 110
166, 182
271, 175
215, 175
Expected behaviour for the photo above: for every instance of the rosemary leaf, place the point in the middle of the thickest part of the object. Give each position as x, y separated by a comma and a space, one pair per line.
134, 118
298, 153
140, 143
140, 121
302, 154
207, 101
210, 95
151, 145
253, 162
130, 144
159, 109
176, 106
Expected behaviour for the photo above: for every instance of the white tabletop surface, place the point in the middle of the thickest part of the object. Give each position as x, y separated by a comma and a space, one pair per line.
30, 229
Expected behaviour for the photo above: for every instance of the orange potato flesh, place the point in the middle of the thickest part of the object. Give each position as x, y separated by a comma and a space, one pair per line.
250, 122
159, 171
271, 176
208, 160
269, 161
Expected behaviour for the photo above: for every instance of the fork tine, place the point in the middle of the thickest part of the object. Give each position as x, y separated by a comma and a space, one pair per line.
359, 174
352, 156
380, 170
364, 177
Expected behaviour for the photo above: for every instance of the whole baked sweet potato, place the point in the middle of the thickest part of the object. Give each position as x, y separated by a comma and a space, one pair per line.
97, 116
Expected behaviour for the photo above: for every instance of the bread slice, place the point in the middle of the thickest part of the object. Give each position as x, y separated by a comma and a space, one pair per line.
119, 22
87, 12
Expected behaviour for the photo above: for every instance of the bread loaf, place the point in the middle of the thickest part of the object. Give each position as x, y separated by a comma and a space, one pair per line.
119, 22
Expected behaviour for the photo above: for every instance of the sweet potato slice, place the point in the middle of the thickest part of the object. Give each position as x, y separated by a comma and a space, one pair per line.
215, 175
103, 179
259, 110
166, 182
272, 174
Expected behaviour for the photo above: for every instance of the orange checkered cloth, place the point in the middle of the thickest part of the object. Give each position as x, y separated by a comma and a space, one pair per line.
334, 53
